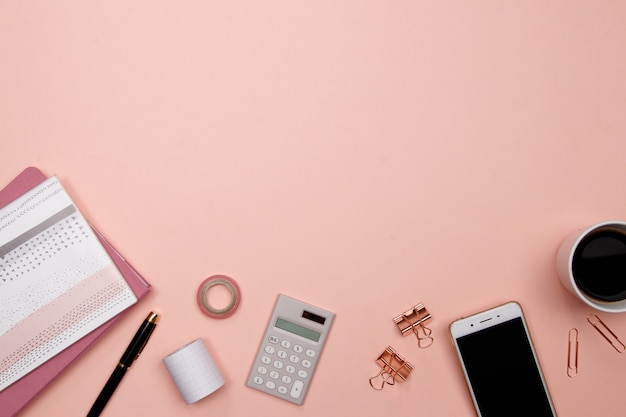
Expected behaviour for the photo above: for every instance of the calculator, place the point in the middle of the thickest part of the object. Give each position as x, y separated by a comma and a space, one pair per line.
290, 349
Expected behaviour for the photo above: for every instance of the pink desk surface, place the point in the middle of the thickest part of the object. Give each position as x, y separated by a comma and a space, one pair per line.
360, 155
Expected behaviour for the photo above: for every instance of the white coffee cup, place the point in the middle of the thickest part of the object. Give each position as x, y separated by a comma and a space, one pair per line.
600, 247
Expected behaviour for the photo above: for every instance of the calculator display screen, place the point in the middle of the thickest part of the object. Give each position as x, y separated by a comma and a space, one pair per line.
299, 330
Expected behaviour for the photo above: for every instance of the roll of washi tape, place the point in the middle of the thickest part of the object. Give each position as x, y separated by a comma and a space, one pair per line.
193, 371
203, 299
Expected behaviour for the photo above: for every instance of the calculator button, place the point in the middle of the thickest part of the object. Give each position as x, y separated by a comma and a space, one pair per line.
286, 344
274, 375
270, 349
282, 354
286, 379
294, 359
273, 339
298, 349
310, 353
282, 389
302, 373
266, 360
270, 384
278, 365
258, 380
306, 363
290, 369
296, 389
262, 370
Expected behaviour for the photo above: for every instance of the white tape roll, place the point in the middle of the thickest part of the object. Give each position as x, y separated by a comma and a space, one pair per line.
193, 371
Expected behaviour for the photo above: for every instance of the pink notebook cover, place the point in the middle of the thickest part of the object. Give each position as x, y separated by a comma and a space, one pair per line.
16, 396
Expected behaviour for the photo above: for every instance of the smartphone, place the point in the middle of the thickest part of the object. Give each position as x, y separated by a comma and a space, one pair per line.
500, 364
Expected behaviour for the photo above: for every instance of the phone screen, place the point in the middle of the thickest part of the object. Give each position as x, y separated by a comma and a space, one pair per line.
502, 371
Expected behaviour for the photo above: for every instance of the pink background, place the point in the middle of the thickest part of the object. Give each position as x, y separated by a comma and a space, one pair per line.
361, 155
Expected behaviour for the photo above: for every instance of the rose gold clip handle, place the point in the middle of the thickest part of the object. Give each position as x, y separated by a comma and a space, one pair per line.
413, 321
393, 367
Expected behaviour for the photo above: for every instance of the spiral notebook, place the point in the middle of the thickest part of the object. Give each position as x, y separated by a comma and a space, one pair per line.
107, 294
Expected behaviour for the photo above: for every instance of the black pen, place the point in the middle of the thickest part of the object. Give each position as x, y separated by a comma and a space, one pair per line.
132, 352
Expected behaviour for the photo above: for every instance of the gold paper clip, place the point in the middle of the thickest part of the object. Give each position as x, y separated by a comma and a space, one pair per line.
606, 332
572, 353
393, 367
413, 321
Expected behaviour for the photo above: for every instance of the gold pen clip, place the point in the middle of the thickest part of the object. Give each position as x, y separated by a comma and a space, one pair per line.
413, 321
572, 353
153, 318
393, 367
606, 332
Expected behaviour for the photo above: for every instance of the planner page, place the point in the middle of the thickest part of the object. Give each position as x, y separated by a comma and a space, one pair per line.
57, 282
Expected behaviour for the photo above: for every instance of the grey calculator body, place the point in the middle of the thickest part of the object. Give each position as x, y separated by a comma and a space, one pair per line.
290, 349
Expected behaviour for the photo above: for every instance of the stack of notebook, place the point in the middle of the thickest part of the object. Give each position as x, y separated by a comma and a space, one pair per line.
62, 286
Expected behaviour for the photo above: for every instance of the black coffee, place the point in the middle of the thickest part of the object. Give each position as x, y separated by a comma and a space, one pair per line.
599, 265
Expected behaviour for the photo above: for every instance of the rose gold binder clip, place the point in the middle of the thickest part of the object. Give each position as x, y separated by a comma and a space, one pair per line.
413, 321
606, 332
572, 352
393, 368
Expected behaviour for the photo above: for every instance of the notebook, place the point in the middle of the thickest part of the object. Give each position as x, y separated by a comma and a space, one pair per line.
19, 393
